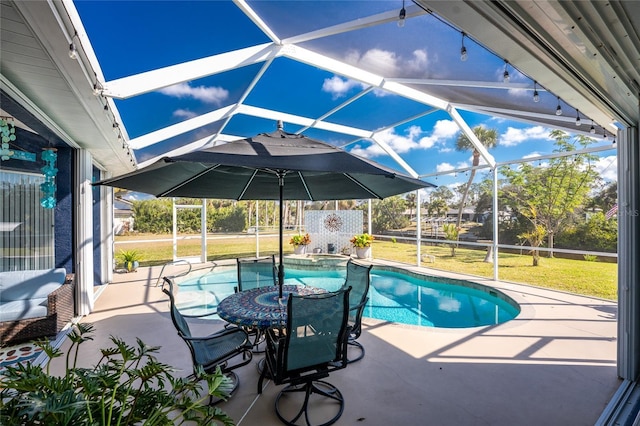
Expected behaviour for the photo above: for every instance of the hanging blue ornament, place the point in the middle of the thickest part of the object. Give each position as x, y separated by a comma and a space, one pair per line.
48, 187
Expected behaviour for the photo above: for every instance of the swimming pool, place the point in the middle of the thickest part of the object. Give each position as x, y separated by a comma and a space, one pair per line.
395, 295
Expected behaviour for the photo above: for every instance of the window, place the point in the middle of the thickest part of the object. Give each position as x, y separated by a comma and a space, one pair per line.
26, 228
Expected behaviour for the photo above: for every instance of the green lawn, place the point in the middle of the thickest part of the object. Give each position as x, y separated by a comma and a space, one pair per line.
576, 276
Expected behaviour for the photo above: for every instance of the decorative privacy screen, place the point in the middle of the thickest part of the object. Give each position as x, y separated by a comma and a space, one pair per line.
331, 230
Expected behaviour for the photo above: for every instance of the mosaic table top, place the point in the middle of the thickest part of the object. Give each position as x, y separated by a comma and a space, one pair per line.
260, 307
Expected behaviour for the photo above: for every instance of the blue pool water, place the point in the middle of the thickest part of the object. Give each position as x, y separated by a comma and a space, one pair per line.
394, 296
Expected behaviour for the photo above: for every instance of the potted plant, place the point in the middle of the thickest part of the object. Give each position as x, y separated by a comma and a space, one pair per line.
127, 386
300, 243
130, 259
362, 243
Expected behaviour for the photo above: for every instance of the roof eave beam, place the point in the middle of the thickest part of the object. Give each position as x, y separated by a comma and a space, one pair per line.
256, 19
301, 121
150, 81
390, 151
337, 67
357, 24
185, 149
455, 115
182, 127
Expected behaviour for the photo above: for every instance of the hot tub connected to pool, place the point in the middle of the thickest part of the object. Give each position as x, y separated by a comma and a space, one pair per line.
396, 295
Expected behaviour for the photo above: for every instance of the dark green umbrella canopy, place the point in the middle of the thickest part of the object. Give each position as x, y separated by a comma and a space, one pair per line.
274, 166
250, 169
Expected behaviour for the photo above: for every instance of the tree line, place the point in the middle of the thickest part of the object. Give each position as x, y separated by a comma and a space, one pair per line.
560, 203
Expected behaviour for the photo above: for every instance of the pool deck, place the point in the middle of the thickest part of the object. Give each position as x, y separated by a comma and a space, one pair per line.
555, 364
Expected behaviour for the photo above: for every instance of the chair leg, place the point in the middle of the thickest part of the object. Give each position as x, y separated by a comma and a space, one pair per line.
357, 345
263, 373
318, 387
260, 338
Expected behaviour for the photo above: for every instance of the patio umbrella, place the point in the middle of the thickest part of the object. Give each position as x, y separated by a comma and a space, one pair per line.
274, 166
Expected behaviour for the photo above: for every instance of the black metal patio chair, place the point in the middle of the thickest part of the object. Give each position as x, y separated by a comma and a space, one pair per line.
213, 350
359, 279
313, 345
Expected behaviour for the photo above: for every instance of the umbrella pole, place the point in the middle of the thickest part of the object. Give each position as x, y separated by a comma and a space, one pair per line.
281, 231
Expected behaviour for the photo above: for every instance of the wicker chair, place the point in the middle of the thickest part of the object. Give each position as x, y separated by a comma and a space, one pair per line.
60, 311
313, 345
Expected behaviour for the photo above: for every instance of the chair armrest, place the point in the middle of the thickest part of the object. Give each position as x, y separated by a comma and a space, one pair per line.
274, 353
359, 305
61, 302
217, 334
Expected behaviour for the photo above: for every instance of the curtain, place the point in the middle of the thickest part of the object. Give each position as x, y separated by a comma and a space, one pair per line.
26, 228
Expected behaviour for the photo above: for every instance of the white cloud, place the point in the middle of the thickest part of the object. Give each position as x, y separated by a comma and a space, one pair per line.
444, 167
443, 129
184, 113
532, 155
338, 87
412, 139
210, 95
465, 164
519, 93
513, 136
607, 167
384, 61
448, 304
418, 63
495, 119
398, 143
372, 150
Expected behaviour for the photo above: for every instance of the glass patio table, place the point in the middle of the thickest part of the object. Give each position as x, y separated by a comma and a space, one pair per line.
260, 307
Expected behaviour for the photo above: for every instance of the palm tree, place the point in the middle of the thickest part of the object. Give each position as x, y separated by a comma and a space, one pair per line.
488, 138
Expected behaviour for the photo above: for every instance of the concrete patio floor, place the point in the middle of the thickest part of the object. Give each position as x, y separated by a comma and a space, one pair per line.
555, 364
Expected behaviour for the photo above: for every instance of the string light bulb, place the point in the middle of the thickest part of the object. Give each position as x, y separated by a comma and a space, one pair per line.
73, 52
505, 75
97, 88
592, 130
578, 121
402, 16
536, 95
559, 109
463, 50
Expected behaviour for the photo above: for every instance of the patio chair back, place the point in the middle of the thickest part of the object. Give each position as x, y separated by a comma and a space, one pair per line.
359, 279
176, 317
213, 350
316, 331
256, 272
313, 345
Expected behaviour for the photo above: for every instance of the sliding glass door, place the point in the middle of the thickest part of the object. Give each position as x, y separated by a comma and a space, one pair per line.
26, 228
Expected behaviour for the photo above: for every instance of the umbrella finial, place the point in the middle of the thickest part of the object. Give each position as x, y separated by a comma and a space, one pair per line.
280, 125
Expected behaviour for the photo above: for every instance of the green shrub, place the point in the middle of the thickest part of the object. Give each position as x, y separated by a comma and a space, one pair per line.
128, 386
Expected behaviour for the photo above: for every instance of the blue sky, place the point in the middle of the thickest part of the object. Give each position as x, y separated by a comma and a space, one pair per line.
131, 37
